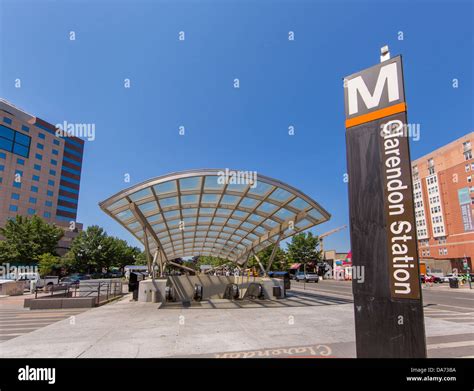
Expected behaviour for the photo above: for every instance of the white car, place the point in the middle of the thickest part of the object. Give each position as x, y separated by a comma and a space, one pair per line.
47, 281
447, 277
308, 277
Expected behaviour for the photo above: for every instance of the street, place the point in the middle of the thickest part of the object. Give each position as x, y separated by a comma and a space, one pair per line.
439, 302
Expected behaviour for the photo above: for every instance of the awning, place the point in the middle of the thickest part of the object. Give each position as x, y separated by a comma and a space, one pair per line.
195, 213
295, 266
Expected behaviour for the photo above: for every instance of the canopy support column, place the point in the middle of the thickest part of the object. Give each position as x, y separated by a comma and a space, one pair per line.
272, 256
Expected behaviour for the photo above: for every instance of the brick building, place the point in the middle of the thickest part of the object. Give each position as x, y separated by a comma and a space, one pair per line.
443, 186
40, 171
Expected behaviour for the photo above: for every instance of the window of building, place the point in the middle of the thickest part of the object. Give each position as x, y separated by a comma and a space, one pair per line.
54, 162
39, 156
17, 184
33, 200
2, 167
56, 142
39, 146
52, 172
468, 155
35, 178
50, 182
21, 162
55, 152
49, 193
15, 196
34, 189
48, 203
14, 142
469, 179
25, 128
47, 214
31, 211
41, 135
7, 120
13, 208
3, 155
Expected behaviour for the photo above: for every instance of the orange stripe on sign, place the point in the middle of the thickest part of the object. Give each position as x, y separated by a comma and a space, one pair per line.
377, 114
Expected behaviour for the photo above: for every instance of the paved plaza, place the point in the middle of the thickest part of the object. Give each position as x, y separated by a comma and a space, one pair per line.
316, 320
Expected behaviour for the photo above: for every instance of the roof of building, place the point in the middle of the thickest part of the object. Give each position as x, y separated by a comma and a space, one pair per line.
220, 213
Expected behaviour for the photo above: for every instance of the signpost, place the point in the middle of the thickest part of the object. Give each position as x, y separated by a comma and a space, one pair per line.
387, 303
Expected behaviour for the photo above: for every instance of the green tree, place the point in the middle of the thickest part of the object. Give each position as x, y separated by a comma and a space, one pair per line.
28, 238
48, 264
123, 254
208, 260
94, 251
304, 248
91, 251
280, 261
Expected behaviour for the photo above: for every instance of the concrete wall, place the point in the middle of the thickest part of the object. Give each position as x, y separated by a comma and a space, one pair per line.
12, 288
57, 303
214, 286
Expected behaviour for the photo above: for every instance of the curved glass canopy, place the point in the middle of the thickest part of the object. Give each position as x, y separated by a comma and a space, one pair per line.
206, 212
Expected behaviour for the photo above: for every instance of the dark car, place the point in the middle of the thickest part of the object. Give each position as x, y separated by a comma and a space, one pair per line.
69, 281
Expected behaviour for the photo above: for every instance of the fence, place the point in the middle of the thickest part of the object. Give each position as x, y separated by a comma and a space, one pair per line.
103, 290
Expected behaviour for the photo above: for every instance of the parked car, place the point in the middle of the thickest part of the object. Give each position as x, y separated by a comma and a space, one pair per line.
427, 279
430, 278
448, 276
307, 277
70, 281
438, 277
80, 276
41, 283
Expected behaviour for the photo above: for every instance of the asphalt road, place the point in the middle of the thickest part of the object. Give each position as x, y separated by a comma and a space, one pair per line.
438, 295
439, 302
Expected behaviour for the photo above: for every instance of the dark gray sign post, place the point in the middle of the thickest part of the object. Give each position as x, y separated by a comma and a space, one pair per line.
387, 301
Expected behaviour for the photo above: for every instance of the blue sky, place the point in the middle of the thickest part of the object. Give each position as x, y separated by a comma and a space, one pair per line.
190, 84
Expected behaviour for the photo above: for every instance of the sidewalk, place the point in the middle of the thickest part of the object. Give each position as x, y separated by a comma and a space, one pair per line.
134, 329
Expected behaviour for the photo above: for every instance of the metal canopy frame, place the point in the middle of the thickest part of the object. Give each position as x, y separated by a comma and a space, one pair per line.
192, 213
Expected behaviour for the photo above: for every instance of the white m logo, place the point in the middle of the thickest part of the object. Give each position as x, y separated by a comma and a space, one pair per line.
388, 74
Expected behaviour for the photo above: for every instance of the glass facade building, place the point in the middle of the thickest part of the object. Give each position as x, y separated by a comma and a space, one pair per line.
40, 171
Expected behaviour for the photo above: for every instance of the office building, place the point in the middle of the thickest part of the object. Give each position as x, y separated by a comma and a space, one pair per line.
443, 186
40, 171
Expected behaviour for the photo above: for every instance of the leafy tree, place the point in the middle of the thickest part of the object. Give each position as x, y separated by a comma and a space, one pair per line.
91, 250
48, 264
208, 260
94, 251
280, 261
123, 254
28, 238
304, 248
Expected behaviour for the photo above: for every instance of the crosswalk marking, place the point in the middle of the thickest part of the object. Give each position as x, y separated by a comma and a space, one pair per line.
19, 321
450, 345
